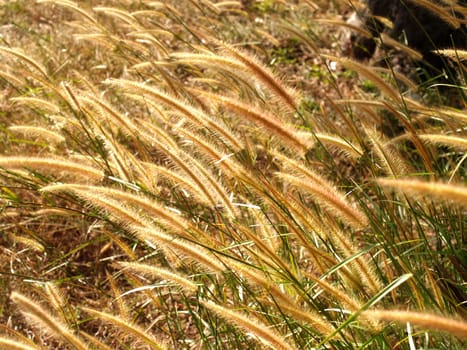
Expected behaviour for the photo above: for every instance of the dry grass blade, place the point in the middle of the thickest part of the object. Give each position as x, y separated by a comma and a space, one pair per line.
370, 74
296, 167
390, 159
212, 153
116, 13
426, 320
141, 227
350, 149
207, 174
335, 202
195, 253
413, 54
10, 78
221, 198
106, 113
146, 37
341, 23
435, 190
30, 243
300, 34
207, 183
452, 113
408, 84
454, 54
10, 344
262, 332
22, 56
179, 180
123, 214
42, 317
208, 59
266, 120
267, 281
124, 310
35, 131
161, 273
263, 75
194, 115
130, 328
95, 193
72, 6
97, 343
119, 158
453, 141
311, 318
79, 171
440, 11
57, 300
37, 103
340, 295
361, 264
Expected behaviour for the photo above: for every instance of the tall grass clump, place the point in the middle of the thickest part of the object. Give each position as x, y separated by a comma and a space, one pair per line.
214, 175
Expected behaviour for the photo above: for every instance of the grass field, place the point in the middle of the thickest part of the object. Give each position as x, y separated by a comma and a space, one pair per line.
196, 174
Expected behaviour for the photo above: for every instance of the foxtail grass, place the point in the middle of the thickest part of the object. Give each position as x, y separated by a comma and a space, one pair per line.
128, 327
455, 193
443, 12
329, 197
57, 165
263, 75
11, 344
185, 178
262, 332
266, 120
453, 54
38, 132
22, 56
448, 140
56, 328
431, 321
161, 273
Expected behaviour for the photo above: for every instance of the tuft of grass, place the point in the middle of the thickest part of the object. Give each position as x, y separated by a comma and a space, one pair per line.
445, 324
168, 181
36, 313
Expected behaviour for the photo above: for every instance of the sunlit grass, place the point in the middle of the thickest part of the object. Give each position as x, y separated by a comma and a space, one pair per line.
167, 183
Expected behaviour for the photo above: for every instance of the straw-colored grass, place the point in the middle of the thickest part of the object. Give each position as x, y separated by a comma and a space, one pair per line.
204, 174
422, 319
456, 193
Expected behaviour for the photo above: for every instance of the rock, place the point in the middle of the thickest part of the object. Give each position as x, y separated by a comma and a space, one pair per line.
421, 27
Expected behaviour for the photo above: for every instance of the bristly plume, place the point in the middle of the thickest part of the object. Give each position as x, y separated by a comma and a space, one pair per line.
128, 327
265, 119
263, 75
160, 273
10, 344
79, 172
423, 319
57, 329
335, 203
438, 191
262, 332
